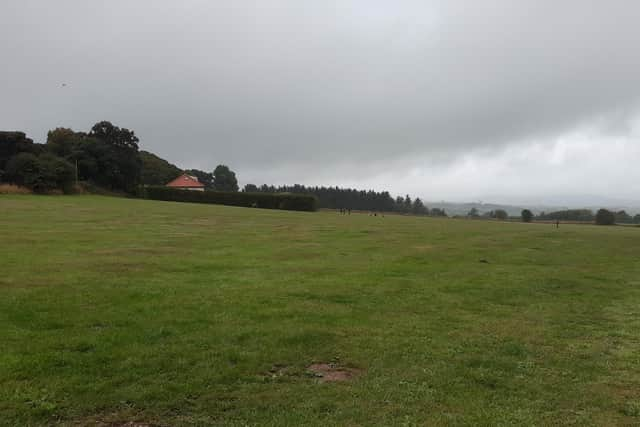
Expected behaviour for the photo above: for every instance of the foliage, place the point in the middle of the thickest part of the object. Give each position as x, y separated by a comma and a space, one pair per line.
224, 179
437, 212
419, 208
349, 198
121, 138
107, 156
585, 215
13, 143
42, 174
63, 141
623, 217
22, 169
250, 188
473, 213
295, 202
156, 170
527, 215
605, 217
205, 178
500, 214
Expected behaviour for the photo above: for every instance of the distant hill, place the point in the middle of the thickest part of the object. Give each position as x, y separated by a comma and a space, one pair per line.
453, 208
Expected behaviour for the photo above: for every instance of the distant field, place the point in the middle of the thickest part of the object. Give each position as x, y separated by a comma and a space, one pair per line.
116, 310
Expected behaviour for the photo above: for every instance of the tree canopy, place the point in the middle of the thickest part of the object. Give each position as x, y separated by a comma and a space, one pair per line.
224, 179
157, 171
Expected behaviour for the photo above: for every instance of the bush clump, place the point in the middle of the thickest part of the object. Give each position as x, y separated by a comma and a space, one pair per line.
285, 201
605, 217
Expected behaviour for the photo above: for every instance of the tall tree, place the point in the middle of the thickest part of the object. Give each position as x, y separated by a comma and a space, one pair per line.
224, 179
407, 204
121, 164
605, 217
418, 207
118, 137
527, 215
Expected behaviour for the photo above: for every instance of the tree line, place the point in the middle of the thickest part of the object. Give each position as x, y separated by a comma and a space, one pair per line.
109, 157
106, 156
587, 215
601, 217
350, 198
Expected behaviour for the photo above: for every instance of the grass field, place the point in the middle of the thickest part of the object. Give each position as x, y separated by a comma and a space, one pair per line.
116, 310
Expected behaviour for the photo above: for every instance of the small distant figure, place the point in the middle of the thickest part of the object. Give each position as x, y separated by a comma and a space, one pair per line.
557, 223
349, 210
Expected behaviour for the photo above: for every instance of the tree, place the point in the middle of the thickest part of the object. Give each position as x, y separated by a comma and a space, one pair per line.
205, 178
501, 214
527, 215
224, 179
157, 171
568, 215
636, 219
119, 161
473, 213
418, 207
22, 169
63, 141
250, 188
13, 143
42, 174
53, 173
407, 204
399, 204
605, 217
115, 136
623, 217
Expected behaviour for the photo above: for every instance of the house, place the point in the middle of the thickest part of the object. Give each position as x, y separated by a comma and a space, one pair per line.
186, 182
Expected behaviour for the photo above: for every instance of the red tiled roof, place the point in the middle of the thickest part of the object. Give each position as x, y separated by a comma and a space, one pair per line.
185, 181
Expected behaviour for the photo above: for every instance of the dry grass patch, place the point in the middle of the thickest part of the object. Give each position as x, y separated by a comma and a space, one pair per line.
13, 189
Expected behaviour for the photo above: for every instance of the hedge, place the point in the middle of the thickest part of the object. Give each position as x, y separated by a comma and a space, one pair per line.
286, 201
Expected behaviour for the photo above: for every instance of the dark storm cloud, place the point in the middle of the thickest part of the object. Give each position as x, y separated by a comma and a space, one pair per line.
300, 89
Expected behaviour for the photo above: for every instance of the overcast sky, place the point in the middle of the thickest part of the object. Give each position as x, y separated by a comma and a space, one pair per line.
455, 100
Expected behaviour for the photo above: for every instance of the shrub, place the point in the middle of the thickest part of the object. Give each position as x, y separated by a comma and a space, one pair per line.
22, 169
501, 214
42, 174
54, 173
605, 217
286, 201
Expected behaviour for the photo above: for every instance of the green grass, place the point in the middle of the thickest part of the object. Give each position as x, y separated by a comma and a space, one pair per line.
116, 310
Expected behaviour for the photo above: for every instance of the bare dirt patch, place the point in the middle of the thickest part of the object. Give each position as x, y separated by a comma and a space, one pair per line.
116, 419
116, 424
331, 372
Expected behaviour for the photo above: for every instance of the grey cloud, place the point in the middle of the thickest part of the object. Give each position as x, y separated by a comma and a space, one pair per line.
305, 90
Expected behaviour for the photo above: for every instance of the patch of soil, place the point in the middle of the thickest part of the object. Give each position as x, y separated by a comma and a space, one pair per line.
113, 420
118, 424
330, 372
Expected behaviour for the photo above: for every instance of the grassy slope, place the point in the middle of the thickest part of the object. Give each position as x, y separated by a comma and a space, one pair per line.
118, 310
